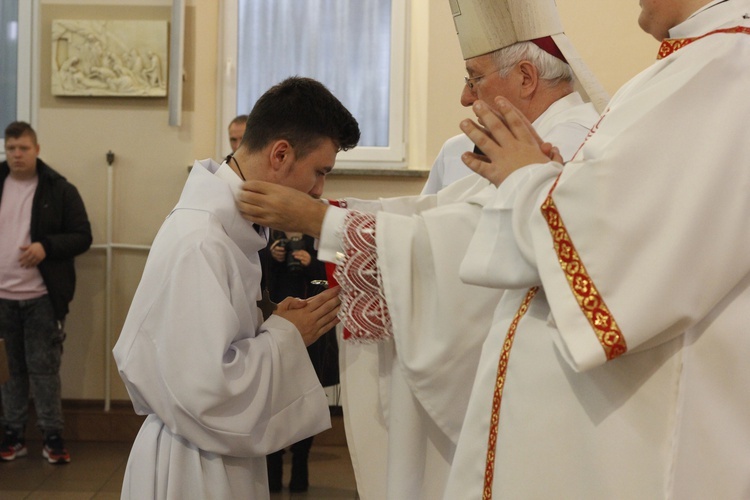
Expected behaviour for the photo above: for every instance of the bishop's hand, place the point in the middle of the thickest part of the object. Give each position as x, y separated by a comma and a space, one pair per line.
507, 140
281, 207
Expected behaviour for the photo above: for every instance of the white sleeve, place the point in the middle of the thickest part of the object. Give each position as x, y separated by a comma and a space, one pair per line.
645, 235
500, 254
330, 246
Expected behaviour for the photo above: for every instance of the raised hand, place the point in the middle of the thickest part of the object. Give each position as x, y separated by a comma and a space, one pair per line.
507, 140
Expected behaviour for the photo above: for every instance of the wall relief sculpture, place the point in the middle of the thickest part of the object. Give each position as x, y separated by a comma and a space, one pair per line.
109, 58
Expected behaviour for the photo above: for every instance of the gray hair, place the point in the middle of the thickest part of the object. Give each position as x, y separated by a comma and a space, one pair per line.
551, 69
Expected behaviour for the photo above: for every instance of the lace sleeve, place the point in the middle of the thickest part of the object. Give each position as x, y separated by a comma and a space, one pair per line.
364, 312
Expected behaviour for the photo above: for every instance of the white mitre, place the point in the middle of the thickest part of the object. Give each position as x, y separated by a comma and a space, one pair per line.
484, 26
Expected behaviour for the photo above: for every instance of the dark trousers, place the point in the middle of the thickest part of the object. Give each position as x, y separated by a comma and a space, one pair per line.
300, 452
33, 339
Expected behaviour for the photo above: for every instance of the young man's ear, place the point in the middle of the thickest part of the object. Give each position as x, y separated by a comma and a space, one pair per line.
281, 155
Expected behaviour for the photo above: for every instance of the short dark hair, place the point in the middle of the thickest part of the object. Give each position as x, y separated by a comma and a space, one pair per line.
302, 111
239, 119
17, 129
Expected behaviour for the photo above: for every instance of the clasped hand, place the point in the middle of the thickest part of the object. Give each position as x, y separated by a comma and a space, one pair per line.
314, 316
507, 140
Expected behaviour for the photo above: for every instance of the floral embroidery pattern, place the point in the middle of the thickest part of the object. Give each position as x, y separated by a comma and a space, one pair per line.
586, 294
364, 312
672, 45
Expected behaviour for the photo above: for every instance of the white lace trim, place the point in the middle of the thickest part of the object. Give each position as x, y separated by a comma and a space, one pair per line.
364, 312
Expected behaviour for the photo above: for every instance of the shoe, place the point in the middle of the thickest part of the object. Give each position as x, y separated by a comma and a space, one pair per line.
54, 450
12, 446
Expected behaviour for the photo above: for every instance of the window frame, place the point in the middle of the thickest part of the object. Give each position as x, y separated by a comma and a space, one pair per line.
391, 157
27, 86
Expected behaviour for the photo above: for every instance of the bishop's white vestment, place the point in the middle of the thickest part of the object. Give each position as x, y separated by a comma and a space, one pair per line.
220, 387
405, 399
617, 366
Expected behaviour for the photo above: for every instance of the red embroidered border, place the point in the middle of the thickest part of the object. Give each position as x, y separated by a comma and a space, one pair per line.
672, 45
588, 297
502, 368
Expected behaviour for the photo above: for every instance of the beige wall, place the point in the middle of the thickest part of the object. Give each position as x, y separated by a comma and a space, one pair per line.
151, 160
151, 157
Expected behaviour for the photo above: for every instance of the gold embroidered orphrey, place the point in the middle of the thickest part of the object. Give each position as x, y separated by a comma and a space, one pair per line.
671, 45
502, 368
590, 301
588, 297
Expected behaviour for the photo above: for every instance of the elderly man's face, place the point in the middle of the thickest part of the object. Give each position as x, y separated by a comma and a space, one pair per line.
659, 16
485, 83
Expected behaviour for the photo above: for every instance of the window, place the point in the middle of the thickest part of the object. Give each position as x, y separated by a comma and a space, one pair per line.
15, 62
355, 47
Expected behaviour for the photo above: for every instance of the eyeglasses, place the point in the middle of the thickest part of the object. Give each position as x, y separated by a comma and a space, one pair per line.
470, 82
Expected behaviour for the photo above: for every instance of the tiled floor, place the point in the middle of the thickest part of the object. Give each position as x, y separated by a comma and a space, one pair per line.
97, 469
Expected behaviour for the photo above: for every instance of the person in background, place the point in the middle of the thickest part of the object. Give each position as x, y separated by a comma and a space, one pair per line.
223, 378
236, 131
292, 269
44, 225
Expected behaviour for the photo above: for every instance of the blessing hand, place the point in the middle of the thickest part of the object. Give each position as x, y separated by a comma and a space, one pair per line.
281, 207
507, 140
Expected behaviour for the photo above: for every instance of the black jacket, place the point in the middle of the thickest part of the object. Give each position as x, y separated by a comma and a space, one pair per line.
59, 222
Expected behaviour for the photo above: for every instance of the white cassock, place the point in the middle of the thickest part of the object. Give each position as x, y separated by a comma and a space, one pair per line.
564, 131
220, 387
627, 377
405, 399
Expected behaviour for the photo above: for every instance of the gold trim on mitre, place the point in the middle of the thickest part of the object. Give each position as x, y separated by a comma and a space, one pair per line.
484, 26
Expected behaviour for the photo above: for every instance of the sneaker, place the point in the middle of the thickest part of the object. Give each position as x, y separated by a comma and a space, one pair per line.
12, 446
54, 450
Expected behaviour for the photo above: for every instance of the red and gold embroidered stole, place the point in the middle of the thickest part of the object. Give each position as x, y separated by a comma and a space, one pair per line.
671, 45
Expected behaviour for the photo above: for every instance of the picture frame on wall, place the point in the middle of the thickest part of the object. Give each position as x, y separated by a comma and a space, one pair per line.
109, 58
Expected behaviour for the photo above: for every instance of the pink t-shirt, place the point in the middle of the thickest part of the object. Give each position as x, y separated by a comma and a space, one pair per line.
17, 283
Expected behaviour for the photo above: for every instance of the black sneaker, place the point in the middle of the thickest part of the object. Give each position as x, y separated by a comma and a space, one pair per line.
12, 446
54, 450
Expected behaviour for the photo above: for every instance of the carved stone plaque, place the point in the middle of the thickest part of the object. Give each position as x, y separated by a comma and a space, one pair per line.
109, 58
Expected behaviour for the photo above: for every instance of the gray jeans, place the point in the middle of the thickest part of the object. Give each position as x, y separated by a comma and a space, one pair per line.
33, 339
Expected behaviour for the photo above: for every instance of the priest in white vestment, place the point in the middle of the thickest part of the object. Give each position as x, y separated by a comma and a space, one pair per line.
405, 397
617, 366
220, 387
